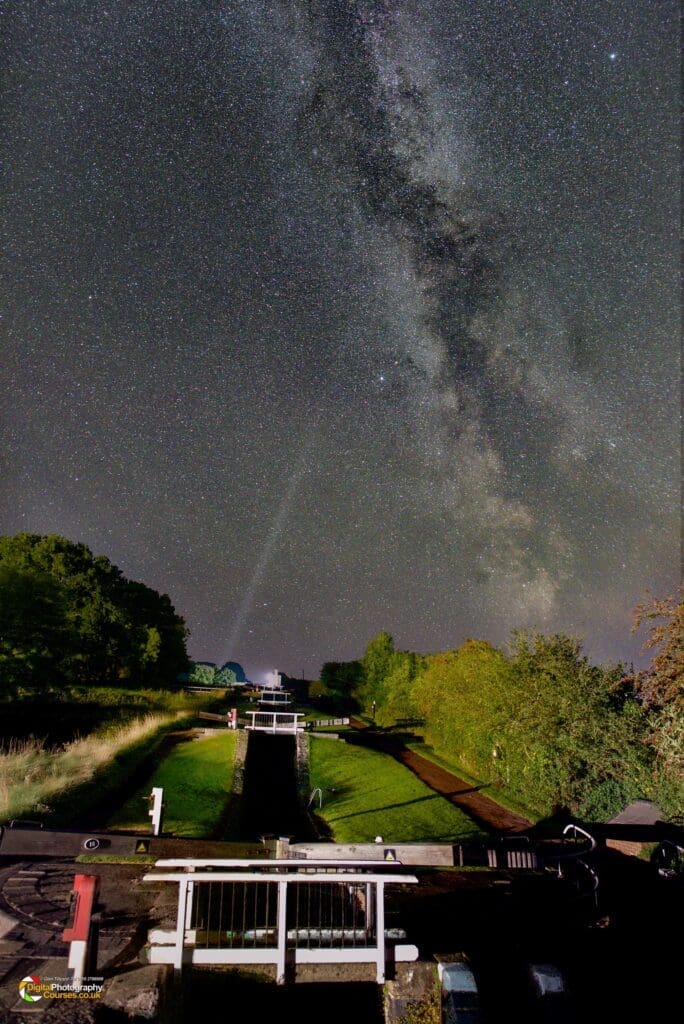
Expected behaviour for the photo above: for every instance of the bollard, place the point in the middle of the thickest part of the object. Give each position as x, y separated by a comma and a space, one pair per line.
233, 718
81, 933
156, 810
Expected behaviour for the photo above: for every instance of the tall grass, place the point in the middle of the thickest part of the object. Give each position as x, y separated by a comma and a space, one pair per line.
31, 774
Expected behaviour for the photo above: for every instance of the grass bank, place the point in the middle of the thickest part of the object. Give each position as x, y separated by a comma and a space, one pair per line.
49, 784
366, 794
197, 779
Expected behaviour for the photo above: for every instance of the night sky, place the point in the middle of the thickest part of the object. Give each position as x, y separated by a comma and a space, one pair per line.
326, 317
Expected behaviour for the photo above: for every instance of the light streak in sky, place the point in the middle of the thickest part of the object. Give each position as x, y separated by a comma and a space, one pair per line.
274, 534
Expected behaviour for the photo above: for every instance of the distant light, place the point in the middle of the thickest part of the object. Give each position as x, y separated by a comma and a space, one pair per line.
612, 56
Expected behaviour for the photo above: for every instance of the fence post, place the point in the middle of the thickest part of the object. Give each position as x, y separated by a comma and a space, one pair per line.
156, 811
181, 918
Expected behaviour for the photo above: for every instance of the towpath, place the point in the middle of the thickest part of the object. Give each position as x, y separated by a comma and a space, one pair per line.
481, 808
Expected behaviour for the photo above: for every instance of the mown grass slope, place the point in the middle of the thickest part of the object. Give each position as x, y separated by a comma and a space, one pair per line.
196, 778
368, 794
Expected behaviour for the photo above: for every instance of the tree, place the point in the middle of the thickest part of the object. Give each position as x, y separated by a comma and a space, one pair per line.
575, 743
225, 676
202, 673
375, 665
340, 681
661, 689
92, 624
33, 627
663, 681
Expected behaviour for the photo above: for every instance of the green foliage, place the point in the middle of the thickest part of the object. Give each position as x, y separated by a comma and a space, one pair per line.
225, 677
340, 681
462, 696
67, 616
660, 687
429, 1012
541, 724
202, 673
33, 626
376, 665
382, 681
569, 729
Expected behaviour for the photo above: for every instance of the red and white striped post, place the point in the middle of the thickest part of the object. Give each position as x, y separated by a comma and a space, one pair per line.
80, 934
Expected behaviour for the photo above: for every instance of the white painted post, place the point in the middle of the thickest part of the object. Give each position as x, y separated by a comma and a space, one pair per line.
188, 901
380, 930
180, 923
369, 907
282, 932
78, 953
155, 811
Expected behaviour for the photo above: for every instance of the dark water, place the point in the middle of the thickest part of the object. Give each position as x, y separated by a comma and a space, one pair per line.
270, 803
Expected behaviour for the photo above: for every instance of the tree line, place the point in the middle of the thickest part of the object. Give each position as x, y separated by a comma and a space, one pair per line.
538, 721
70, 617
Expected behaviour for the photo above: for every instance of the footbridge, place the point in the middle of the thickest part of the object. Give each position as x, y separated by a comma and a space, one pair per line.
280, 912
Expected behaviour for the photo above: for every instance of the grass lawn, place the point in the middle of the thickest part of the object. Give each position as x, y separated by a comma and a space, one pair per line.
196, 778
366, 794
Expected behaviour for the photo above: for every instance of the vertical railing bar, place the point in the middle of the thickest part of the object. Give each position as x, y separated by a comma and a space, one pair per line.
208, 929
244, 911
308, 915
353, 914
222, 886
233, 886
267, 938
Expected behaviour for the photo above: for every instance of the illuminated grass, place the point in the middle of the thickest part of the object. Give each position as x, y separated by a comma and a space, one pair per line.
366, 794
197, 779
33, 777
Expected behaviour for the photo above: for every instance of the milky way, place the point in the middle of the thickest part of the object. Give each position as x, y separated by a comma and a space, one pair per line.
327, 317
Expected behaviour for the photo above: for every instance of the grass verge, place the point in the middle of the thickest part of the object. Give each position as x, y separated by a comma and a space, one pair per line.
39, 781
495, 793
115, 858
197, 779
366, 794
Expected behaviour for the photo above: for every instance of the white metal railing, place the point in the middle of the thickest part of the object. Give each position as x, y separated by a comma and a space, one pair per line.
252, 912
275, 721
275, 697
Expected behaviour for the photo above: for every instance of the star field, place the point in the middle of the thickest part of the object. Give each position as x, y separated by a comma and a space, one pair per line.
328, 317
